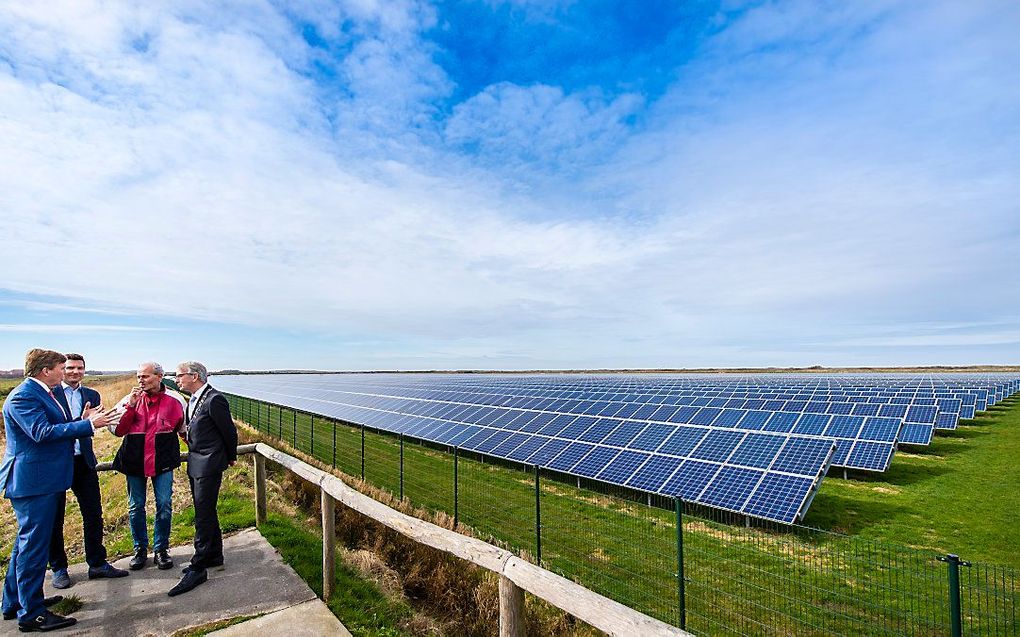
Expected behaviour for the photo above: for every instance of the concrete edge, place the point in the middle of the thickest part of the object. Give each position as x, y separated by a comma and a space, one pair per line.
307, 619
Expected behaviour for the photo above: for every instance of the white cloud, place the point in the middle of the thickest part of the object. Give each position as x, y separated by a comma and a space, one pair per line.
540, 125
60, 329
197, 169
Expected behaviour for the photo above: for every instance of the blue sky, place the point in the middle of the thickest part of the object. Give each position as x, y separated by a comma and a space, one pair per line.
511, 184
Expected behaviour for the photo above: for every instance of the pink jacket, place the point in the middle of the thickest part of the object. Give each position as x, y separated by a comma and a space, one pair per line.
150, 430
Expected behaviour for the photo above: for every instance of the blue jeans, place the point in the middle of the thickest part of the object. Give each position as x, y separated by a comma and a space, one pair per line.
163, 488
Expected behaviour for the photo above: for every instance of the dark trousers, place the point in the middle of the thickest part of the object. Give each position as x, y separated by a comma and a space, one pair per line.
205, 491
85, 486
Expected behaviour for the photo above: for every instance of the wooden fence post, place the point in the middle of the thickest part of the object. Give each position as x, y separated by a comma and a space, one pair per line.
328, 544
260, 489
511, 608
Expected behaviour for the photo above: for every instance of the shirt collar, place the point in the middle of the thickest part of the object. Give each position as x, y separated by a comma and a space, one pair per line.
200, 391
66, 386
41, 384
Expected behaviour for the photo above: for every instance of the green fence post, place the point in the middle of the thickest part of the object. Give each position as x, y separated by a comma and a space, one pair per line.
401, 466
955, 612
311, 444
538, 518
334, 444
362, 451
680, 579
456, 487
295, 428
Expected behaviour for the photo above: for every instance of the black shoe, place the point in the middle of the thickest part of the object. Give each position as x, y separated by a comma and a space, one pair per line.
190, 580
140, 559
106, 570
46, 622
162, 560
47, 602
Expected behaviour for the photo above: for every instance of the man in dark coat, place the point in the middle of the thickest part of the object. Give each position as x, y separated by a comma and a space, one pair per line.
212, 447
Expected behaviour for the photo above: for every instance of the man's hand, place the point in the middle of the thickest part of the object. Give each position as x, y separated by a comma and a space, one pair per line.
100, 419
136, 393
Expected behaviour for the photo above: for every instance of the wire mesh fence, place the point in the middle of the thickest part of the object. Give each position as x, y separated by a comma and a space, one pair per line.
708, 571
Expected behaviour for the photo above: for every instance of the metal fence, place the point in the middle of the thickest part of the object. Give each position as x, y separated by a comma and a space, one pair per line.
700, 569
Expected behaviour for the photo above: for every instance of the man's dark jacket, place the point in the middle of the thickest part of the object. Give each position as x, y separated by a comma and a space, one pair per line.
91, 398
212, 436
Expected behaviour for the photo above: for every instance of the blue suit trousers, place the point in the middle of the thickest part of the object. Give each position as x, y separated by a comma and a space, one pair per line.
23, 587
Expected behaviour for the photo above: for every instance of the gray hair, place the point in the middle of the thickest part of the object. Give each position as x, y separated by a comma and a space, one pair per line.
194, 367
157, 369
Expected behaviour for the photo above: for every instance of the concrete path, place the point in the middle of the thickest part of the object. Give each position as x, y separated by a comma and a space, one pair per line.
254, 581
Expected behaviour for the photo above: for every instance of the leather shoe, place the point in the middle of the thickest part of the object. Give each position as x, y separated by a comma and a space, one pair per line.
47, 602
162, 560
61, 579
46, 622
106, 570
140, 559
190, 580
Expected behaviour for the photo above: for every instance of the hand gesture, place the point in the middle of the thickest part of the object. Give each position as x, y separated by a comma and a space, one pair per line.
102, 419
88, 410
136, 393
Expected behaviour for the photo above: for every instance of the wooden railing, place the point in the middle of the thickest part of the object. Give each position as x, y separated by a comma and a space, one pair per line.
515, 574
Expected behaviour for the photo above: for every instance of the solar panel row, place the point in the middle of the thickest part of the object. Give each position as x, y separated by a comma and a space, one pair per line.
757, 450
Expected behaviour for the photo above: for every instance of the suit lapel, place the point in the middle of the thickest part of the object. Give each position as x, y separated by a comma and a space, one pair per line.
54, 408
62, 399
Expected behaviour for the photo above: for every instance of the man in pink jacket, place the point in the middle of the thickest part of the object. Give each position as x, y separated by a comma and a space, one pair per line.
150, 426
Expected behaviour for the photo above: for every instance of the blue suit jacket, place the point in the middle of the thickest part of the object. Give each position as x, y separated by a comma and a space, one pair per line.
91, 397
40, 443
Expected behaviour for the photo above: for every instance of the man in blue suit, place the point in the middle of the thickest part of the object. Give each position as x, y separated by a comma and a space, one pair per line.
37, 467
75, 398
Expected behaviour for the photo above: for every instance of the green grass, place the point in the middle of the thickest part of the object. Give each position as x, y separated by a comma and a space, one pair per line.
879, 576
67, 606
358, 604
960, 495
7, 384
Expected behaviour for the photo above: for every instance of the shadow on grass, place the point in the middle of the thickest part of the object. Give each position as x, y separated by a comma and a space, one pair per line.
898, 475
849, 514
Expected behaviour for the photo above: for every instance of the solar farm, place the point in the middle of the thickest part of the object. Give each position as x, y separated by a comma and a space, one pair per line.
758, 446
746, 452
